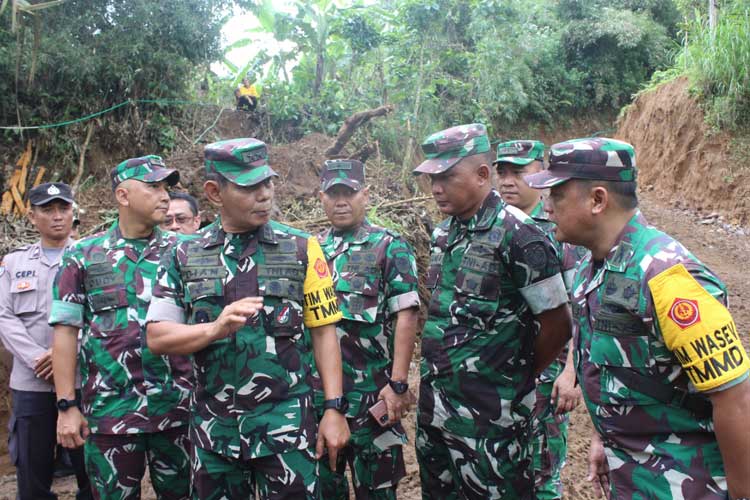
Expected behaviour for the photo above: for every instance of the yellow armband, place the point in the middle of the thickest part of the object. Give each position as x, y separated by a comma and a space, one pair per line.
321, 306
698, 329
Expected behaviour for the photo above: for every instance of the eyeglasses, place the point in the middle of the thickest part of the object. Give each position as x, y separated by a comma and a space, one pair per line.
180, 219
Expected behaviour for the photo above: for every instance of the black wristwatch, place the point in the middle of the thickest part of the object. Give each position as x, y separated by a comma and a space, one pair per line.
398, 387
340, 404
66, 404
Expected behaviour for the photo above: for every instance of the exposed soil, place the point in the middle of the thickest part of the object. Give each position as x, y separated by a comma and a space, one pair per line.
681, 158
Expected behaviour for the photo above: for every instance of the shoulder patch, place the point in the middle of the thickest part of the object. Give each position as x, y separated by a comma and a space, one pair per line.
698, 329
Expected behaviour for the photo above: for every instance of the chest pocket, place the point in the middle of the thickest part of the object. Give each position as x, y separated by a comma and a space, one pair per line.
358, 287
620, 340
107, 297
433, 271
358, 296
477, 288
203, 277
479, 273
24, 294
280, 281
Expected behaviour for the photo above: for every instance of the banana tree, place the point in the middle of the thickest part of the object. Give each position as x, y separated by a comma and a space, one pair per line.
310, 29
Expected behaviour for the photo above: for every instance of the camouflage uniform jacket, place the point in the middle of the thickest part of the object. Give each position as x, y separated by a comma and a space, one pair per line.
488, 277
104, 287
375, 277
616, 326
252, 395
570, 255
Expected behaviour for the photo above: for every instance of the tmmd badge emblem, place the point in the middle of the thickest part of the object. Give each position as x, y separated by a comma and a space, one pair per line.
684, 312
321, 268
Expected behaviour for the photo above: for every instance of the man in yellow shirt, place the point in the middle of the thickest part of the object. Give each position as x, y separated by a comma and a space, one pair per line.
246, 95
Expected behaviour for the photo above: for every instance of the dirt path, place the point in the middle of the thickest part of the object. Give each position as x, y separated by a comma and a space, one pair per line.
726, 252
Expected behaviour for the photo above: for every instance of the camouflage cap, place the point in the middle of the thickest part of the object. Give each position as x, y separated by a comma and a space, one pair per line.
595, 158
148, 168
446, 148
520, 152
347, 172
243, 162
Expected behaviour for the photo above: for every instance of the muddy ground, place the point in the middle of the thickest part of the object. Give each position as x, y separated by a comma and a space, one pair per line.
725, 251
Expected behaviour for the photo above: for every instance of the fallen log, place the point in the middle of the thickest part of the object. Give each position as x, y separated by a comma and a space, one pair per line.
351, 124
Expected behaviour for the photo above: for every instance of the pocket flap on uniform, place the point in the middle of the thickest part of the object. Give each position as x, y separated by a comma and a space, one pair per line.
365, 285
289, 289
196, 290
104, 300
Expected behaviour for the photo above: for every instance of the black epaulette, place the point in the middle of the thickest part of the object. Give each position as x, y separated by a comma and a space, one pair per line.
22, 248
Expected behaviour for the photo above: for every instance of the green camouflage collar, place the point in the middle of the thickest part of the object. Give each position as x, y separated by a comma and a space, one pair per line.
358, 236
215, 235
485, 217
117, 240
622, 251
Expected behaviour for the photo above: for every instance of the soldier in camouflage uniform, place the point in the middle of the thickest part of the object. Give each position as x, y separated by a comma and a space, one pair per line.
661, 365
135, 402
556, 392
247, 298
375, 278
497, 316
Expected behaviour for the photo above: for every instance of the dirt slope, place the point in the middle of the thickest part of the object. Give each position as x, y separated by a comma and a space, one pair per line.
678, 156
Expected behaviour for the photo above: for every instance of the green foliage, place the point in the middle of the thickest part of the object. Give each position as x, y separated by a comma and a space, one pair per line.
443, 62
87, 55
616, 50
718, 65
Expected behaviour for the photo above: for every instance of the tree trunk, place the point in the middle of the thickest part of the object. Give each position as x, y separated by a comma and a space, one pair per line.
35, 49
82, 156
406, 164
712, 15
350, 125
319, 69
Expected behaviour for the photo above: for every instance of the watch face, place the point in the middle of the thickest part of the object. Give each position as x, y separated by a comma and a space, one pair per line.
399, 387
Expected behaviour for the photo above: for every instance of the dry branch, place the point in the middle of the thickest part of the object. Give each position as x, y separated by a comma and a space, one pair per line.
351, 124
304, 224
82, 157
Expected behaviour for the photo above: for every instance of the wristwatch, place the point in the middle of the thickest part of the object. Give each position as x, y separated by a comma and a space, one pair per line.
398, 386
66, 404
340, 404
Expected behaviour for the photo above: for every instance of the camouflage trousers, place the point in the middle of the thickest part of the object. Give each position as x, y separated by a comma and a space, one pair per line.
668, 471
375, 471
287, 476
550, 437
455, 467
116, 464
